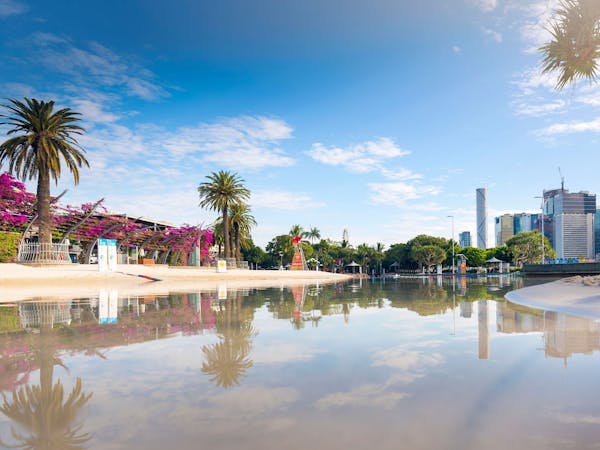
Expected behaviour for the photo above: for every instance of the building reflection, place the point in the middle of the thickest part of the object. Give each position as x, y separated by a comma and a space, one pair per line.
483, 329
564, 334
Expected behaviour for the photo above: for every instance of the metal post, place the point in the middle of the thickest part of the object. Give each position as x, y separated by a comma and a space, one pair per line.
453, 265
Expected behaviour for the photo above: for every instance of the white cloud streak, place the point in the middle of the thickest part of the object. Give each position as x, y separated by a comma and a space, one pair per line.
11, 8
398, 193
283, 200
364, 157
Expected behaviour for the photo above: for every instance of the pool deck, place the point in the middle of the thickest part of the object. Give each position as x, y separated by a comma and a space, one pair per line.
18, 282
579, 296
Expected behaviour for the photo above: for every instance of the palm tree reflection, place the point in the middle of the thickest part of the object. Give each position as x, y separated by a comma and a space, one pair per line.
43, 411
228, 360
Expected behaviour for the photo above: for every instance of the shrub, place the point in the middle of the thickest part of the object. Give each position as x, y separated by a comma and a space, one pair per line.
9, 244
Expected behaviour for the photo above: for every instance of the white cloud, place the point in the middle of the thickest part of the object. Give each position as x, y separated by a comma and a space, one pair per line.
372, 395
592, 126
248, 142
277, 199
534, 31
456, 49
409, 360
93, 111
485, 5
495, 35
523, 108
93, 66
585, 419
364, 157
11, 8
398, 193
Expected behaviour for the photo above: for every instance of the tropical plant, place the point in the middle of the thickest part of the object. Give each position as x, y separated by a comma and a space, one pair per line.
223, 190
241, 223
297, 230
574, 50
526, 247
313, 234
43, 140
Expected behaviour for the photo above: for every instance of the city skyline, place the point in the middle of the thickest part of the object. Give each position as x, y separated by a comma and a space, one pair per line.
364, 116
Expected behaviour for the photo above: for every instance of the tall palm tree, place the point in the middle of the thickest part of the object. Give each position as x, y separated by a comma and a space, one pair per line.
574, 50
43, 139
297, 230
313, 234
223, 190
241, 223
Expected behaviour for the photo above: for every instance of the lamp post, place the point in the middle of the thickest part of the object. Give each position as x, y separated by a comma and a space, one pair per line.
280, 260
543, 207
453, 266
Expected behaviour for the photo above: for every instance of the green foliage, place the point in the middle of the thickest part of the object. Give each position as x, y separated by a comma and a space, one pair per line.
574, 48
9, 244
428, 255
476, 257
527, 248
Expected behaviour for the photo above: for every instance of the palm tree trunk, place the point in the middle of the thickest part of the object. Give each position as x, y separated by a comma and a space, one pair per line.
226, 231
238, 251
44, 217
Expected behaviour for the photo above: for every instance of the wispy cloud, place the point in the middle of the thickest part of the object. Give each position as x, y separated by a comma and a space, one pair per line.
592, 126
240, 143
456, 49
94, 65
493, 34
398, 193
485, 5
364, 157
11, 8
289, 201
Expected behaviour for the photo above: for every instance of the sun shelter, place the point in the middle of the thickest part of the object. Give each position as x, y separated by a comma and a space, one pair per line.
353, 267
496, 264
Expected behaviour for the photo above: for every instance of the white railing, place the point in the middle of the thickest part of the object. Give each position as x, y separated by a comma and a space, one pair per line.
36, 253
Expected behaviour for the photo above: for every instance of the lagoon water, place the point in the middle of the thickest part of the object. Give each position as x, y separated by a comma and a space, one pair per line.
409, 363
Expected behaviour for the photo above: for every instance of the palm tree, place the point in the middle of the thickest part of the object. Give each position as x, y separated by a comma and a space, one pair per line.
241, 223
297, 230
221, 192
43, 140
313, 234
574, 50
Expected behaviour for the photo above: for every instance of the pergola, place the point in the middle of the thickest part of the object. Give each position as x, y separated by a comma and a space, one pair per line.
89, 222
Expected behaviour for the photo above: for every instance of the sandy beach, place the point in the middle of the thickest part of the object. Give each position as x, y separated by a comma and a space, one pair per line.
576, 295
18, 282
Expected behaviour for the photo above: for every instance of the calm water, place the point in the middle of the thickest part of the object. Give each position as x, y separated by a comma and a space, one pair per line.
412, 364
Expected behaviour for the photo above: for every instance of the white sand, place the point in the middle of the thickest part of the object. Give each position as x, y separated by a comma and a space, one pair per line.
18, 282
561, 296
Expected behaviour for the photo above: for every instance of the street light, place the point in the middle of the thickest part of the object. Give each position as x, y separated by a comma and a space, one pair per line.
280, 260
543, 207
453, 266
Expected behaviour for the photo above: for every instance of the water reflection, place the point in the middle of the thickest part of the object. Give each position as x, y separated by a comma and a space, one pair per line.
44, 418
250, 364
564, 334
228, 360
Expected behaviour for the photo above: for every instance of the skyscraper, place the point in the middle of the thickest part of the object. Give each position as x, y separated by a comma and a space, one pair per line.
481, 217
505, 228
571, 216
464, 239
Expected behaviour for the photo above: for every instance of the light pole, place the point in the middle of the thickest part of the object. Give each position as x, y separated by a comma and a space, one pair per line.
453, 266
543, 206
280, 260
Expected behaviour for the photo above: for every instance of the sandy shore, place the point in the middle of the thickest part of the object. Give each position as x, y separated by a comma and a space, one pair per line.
18, 282
577, 296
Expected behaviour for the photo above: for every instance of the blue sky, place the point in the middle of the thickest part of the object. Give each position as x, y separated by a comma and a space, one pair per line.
381, 117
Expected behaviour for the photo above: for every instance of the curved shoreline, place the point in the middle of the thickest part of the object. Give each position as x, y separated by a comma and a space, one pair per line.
19, 282
576, 296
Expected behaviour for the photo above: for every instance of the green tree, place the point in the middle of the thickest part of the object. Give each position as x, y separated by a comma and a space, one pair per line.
222, 191
526, 247
476, 257
574, 49
241, 223
429, 255
313, 234
44, 141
